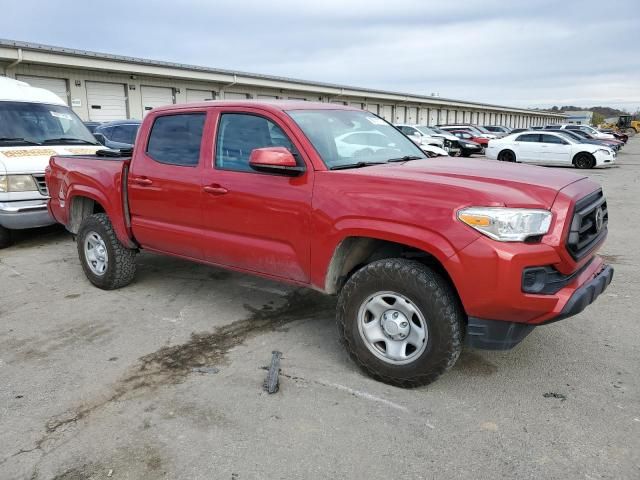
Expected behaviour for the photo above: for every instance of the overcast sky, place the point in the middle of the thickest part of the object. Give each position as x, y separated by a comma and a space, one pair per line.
534, 53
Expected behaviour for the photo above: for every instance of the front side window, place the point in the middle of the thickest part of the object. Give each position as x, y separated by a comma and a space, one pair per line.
175, 139
240, 133
344, 138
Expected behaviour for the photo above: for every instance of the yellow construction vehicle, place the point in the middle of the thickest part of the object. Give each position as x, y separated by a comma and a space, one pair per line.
622, 123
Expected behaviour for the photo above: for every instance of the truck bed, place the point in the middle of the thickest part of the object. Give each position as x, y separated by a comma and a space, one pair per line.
96, 177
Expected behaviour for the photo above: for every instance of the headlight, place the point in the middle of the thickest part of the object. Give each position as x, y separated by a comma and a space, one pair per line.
506, 224
17, 183
603, 151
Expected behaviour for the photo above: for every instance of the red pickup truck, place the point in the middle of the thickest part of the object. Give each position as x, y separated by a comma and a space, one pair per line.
424, 254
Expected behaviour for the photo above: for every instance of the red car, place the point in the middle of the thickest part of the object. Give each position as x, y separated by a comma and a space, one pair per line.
423, 254
467, 135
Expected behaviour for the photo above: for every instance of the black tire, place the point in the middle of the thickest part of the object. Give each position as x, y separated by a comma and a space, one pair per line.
584, 161
121, 261
429, 293
5, 237
465, 154
507, 156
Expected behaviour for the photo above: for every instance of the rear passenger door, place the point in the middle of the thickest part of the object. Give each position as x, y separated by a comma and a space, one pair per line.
164, 185
556, 151
527, 148
256, 222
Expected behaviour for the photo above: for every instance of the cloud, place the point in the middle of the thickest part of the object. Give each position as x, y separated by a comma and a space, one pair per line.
513, 53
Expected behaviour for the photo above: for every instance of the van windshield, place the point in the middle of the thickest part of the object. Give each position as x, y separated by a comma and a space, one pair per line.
23, 123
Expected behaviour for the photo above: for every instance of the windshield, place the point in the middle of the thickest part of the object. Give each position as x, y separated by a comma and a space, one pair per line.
425, 130
481, 129
23, 123
348, 137
568, 137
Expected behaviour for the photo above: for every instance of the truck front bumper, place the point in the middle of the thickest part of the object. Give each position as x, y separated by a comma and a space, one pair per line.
501, 335
25, 214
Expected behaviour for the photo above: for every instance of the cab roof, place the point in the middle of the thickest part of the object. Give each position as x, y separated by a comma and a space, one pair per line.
16, 91
271, 105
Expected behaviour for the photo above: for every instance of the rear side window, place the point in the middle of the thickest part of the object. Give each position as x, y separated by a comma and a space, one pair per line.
175, 139
125, 133
239, 134
528, 138
553, 139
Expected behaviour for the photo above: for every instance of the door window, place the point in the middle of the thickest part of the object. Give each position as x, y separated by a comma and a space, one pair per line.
175, 139
528, 138
240, 133
125, 133
553, 139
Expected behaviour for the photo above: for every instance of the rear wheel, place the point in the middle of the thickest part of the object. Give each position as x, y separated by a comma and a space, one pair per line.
584, 160
507, 156
106, 262
5, 237
400, 321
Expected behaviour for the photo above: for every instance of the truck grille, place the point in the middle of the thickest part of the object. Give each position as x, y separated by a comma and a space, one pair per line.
589, 224
42, 185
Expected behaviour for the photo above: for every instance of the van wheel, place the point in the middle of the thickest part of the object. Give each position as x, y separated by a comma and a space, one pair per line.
106, 262
5, 237
401, 322
584, 160
507, 156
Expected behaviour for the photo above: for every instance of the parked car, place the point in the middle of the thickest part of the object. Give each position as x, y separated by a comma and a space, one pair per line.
471, 137
518, 130
119, 134
91, 126
549, 148
430, 137
424, 255
479, 131
432, 151
456, 148
623, 137
587, 138
497, 129
34, 124
584, 128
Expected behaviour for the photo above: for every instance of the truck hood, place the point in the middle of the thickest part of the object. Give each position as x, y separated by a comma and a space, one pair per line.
34, 159
480, 182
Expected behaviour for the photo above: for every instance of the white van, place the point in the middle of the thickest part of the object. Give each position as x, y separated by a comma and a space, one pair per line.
34, 125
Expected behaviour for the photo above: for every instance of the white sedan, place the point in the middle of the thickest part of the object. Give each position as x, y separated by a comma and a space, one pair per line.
549, 148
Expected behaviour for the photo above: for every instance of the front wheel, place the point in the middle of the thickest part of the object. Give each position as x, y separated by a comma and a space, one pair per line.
401, 322
106, 262
584, 160
5, 237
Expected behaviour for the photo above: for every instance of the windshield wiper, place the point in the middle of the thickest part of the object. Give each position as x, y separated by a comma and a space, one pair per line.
63, 140
406, 158
18, 139
355, 165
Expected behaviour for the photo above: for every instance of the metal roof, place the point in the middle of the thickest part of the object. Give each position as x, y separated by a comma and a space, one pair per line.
197, 68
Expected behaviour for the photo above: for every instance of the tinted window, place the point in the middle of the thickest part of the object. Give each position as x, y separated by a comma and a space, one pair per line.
175, 139
553, 139
239, 134
124, 133
530, 137
408, 130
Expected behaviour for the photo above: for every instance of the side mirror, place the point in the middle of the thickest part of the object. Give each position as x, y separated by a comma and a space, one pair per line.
275, 160
100, 138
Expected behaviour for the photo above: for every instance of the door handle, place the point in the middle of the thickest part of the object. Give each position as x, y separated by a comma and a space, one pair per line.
215, 189
141, 181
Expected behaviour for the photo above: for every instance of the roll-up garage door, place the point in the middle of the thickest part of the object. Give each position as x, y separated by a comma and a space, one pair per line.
199, 95
373, 107
153, 97
387, 113
55, 85
355, 105
400, 114
412, 115
106, 101
433, 116
235, 96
